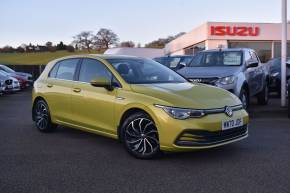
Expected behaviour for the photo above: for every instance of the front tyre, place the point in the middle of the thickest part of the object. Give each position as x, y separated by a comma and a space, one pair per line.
41, 117
140, 136
244, 97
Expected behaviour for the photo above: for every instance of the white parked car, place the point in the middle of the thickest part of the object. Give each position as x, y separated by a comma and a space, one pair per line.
8, 83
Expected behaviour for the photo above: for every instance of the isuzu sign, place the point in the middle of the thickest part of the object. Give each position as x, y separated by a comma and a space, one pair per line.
234, 31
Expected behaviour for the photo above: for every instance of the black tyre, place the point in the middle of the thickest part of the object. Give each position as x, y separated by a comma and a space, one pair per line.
244, 97
140, 136
263, 96
41, 117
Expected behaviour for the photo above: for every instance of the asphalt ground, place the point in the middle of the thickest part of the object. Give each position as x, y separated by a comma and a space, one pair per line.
72, 161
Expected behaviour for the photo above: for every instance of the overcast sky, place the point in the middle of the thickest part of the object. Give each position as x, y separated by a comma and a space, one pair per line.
39, 21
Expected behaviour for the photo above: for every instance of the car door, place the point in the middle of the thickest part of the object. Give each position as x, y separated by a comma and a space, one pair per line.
250, 73
58, 93
93, 107
259, 74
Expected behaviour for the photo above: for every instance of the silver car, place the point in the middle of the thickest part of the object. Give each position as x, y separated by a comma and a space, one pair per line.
8, 83
239, 71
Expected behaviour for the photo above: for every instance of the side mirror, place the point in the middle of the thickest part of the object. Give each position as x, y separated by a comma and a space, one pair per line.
181, 65
102, 82
252, 64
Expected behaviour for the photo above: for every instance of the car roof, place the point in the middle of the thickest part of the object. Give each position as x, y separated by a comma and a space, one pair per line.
175, 56
228, 49
100, 56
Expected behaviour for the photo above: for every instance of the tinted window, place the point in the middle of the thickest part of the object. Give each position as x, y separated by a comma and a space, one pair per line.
254, 56
67, 69
161, 60
92, 69
173, 62
247, 56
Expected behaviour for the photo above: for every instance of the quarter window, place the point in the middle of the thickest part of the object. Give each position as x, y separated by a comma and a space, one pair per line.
66, 69
53, 71
247, 56
92, 69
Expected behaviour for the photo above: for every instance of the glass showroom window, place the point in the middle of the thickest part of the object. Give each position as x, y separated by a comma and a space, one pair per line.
263, 49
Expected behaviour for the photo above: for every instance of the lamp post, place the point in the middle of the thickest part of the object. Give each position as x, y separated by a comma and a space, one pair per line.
283, 53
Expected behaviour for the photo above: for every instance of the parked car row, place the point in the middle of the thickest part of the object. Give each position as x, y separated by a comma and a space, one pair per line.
11, 81
238, 70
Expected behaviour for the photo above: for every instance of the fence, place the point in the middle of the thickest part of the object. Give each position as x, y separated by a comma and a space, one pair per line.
35, 70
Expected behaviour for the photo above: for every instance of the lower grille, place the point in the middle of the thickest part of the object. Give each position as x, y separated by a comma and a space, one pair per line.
204, 138
8, 82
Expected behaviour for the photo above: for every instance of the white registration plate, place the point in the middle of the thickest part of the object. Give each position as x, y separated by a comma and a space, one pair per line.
229, 124
10, 86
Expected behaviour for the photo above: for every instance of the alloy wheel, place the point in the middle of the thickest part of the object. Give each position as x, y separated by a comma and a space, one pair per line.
244, 100
141, 137
41, 115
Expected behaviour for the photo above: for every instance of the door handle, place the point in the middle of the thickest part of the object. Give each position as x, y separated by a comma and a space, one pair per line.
49, 85
77, 90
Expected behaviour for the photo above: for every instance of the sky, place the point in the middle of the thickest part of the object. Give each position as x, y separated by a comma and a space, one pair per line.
141, 21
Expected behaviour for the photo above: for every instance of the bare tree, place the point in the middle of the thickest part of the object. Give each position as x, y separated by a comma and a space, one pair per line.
128, 44
105, 38
84, 40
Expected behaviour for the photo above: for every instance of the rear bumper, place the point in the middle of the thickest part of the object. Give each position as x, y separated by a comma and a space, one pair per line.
202, 138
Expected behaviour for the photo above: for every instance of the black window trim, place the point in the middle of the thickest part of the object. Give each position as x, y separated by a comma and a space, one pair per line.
78, 69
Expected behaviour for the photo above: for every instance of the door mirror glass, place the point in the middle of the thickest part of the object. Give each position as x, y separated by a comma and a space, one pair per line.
102, 82
252, 64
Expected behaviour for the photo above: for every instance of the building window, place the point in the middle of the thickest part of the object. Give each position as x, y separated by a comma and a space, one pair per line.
263, 49
277, 49
192, 50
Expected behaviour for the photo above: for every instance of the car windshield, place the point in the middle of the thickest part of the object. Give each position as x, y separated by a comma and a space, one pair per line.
144, 71
3, 73
6, 69
217, 58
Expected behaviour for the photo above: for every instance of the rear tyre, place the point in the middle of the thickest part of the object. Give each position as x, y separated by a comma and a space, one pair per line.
244, 97
41, 117
263, 96
140, 136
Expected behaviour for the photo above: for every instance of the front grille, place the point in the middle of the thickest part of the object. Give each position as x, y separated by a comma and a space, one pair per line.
8, 82
204, 138
210, 81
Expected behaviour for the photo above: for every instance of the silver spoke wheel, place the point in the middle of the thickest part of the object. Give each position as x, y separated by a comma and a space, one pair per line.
41, 116
244, 100
141, 136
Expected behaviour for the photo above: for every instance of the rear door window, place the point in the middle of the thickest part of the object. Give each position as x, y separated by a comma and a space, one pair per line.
66, 69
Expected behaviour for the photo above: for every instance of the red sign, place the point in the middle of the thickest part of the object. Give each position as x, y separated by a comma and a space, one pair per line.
234, 31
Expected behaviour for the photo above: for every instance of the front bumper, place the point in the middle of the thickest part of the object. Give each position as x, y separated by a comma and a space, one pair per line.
198, 133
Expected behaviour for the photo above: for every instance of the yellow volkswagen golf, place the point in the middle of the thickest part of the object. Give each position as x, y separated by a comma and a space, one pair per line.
144, 104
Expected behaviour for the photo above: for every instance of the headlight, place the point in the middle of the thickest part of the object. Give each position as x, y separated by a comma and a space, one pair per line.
274, 74
227, 80
181, 113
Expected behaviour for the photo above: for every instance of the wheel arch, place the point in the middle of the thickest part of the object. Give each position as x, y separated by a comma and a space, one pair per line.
34, 102
128, 112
